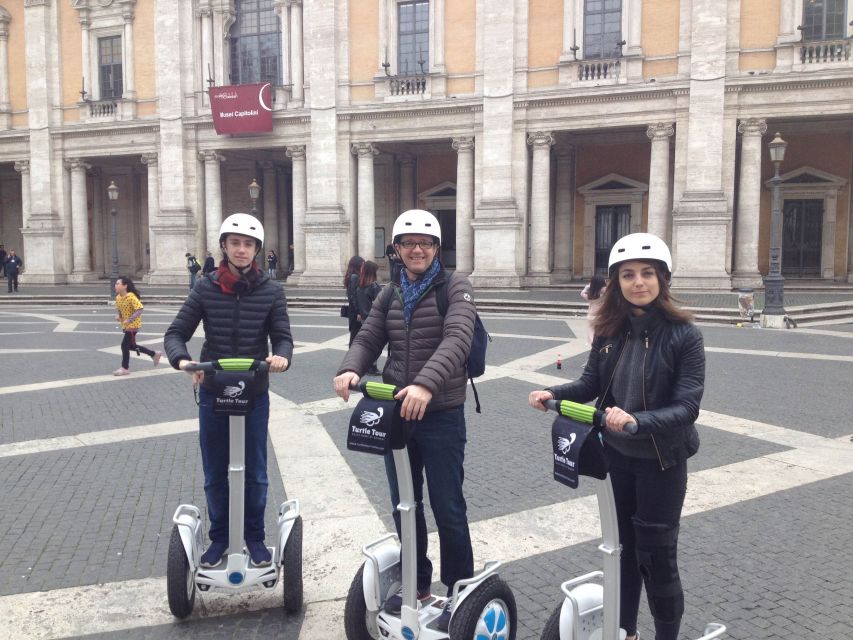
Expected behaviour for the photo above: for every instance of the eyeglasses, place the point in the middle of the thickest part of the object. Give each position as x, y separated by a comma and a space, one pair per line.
411, 244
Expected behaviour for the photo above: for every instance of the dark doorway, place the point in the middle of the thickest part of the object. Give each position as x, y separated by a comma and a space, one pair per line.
801, 237
447, 220
611, 223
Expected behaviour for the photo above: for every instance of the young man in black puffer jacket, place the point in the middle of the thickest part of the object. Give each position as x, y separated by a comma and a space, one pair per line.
243, 312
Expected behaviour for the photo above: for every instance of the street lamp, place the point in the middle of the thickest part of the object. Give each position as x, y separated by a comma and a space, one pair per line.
254, 192
112, 194
773, 314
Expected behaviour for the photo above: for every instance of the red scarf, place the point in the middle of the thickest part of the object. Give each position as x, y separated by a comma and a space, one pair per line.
228, 282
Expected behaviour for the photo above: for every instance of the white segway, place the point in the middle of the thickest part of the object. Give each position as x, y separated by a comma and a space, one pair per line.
483, 606
234, 573
590, 610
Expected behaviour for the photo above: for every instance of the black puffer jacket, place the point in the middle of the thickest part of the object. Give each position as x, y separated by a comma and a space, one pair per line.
234, 325
673, 384
431, 351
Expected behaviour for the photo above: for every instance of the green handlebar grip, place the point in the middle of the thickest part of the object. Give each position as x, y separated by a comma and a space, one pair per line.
380, 390
577, 411
236, 364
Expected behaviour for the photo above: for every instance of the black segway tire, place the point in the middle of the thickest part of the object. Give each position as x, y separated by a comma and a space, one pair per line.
472, 616
355, 611
180, 581
552, 627
291, 568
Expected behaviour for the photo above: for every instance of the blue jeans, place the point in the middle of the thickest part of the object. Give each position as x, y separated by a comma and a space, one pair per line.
437, 446
213, 437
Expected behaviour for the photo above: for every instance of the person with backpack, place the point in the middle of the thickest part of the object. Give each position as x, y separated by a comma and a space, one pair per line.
366, 292
427, 362
193, 267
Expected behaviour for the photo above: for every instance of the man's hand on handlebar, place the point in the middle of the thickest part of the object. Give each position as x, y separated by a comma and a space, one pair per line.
277, 363
198, 376
615, 419
415, 400
343, 382
536, 398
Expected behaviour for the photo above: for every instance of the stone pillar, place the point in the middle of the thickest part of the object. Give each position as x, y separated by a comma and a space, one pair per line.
283, 218
270, 210
297, 69
206, 14
82, 268
212, 198
570, 31
87, 81
23, 167
5, 18
540, 205
128, 68
564, 218
297, 154
746, 272
280, 7
365, 152
437, 69
464, 147
407, 184
150, 161
659, 188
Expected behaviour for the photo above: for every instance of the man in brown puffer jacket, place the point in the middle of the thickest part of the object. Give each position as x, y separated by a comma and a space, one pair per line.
427, 362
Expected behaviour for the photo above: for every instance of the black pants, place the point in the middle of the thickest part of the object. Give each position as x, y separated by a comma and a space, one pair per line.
648, 510
354, 327
13, 281
128, 344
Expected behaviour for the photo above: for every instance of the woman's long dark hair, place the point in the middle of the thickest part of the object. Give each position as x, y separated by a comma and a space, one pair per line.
353, 268
615, 309
595, 286
131, 288
368, 274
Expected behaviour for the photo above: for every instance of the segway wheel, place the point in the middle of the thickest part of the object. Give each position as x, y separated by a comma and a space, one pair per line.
489, 612
180, 582
291, 568
552, 627
356, 623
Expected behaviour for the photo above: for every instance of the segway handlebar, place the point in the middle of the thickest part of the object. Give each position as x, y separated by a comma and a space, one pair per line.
583, 413
376, 390
229, 364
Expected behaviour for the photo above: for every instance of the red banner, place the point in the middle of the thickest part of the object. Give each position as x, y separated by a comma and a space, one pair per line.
242, 108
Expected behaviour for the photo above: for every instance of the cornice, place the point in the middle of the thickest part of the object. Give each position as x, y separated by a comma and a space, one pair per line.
420, 111
86, 131
778, 84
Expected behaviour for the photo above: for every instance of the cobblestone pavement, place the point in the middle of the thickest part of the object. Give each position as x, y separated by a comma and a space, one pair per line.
94, 466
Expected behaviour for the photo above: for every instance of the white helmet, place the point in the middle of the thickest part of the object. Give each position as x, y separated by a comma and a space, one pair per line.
416, 221
244, 224
640, 246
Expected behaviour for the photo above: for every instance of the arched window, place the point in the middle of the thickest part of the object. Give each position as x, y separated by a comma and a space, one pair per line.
824, 19
255, 43
602, 28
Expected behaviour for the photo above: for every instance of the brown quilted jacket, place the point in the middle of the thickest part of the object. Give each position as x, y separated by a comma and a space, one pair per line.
431, 352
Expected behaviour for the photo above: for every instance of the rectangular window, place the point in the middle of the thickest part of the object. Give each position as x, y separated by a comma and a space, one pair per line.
824, 20
109, 67
413, 38
602, 28
256, 43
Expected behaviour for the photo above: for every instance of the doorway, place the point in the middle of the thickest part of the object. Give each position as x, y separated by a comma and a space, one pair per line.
611, 223
802, 225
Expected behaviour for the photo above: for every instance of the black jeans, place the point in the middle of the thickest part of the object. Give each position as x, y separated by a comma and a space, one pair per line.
646, 495
128, 344
13, 281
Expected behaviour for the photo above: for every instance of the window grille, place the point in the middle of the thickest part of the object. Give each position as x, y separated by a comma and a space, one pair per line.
602, 24
109, 67
255, 43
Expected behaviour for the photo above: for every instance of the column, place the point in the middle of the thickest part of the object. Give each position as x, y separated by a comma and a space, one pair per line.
659, 189
87, 82
212, 197
283, 218
749, 204
407, 183
150, 161
296, 54
23, 167
633, 34
128, 62
564, 219
280, 7
297, 154
365, 151
464, 147
540, 203
570, 31
5, 18
436, 69
82, 265
270, 209
206, 14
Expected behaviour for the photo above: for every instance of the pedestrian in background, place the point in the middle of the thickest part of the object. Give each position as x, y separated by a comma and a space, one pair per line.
193, 267
646, 366
272, 264
593, 293
351, 285
2, 260
129, 316
394, 263
209, 264
13, 266
368, 290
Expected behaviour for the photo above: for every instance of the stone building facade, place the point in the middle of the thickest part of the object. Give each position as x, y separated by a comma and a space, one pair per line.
538, 132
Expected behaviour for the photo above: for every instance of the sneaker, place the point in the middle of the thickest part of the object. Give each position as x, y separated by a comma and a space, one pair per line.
157, 356
442, 623
121, 371
213, 555
395, 602
261, 556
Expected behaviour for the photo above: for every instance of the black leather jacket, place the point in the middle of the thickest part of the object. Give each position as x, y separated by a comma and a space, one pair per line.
673, 383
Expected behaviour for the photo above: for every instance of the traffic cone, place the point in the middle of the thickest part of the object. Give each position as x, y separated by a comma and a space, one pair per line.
559, 362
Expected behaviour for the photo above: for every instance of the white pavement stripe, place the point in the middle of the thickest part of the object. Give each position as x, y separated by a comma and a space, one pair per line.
781, 354
73, 382
9, 352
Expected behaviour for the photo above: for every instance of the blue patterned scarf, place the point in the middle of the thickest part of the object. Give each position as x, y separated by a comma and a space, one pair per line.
414, 289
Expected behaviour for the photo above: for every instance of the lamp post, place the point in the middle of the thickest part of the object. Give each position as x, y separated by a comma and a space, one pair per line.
773, 314
112, 194
254, 192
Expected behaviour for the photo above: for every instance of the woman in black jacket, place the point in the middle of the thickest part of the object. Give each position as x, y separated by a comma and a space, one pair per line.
351, 285
244, 312
647, 365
